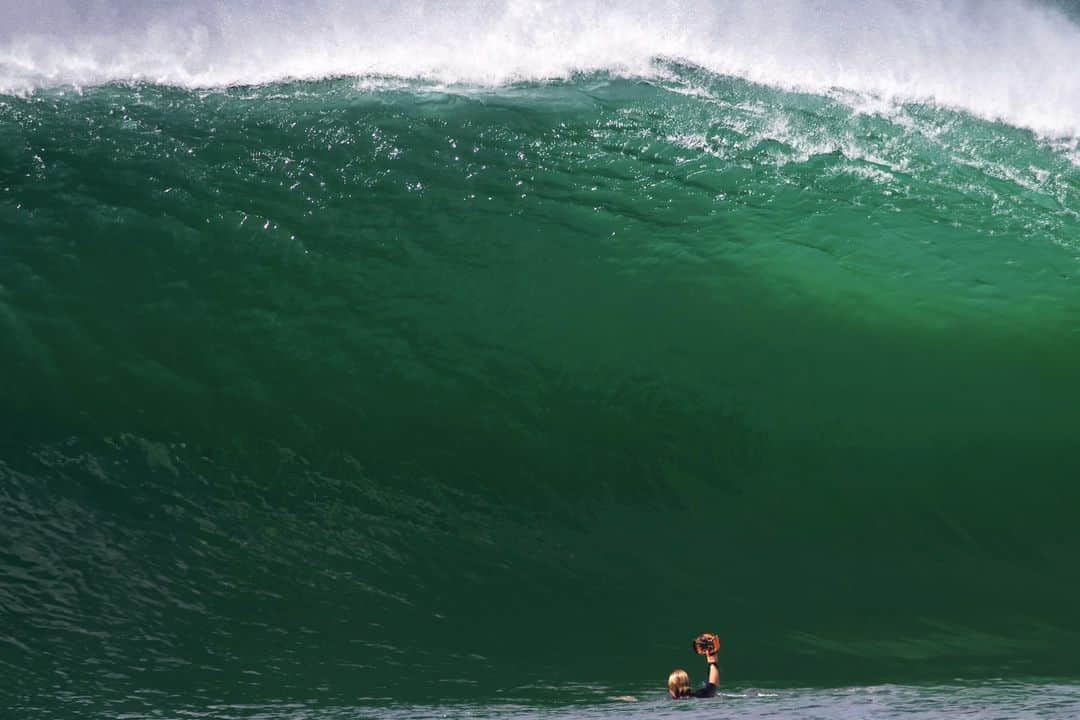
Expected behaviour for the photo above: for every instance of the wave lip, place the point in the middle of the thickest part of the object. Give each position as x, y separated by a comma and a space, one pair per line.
1012, 62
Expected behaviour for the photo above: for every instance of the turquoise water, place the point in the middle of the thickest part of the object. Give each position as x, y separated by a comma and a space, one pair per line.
996, 698
472, 384
980, 699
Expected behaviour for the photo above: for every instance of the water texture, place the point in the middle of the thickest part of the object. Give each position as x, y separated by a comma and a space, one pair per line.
381, 360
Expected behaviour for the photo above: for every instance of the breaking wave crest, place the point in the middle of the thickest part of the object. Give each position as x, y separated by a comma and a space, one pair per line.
1014, 61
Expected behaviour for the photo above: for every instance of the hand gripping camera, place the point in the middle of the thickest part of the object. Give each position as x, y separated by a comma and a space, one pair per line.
707, 644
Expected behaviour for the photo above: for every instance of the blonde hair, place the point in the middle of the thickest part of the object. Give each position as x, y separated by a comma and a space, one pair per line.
678, 683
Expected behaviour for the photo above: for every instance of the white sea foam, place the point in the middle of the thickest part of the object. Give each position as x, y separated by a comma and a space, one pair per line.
1013, 60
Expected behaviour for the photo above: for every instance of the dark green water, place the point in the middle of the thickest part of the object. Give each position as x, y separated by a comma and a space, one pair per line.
328, 393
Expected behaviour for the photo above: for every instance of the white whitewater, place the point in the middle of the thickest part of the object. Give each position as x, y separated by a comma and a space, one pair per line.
1013, 61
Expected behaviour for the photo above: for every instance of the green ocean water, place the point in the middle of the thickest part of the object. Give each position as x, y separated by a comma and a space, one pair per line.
321, 397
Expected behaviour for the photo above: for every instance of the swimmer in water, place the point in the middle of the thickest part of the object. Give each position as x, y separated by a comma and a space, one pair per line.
678, 683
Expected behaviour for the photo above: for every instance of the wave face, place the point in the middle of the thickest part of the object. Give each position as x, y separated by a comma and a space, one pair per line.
335, 392
1011, 61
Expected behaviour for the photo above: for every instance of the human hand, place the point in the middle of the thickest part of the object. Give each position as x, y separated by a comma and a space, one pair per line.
711, 658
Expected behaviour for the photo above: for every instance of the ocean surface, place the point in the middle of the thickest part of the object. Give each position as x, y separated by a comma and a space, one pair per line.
394, 360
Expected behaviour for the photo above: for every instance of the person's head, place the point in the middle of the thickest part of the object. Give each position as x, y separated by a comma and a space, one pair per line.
678, 683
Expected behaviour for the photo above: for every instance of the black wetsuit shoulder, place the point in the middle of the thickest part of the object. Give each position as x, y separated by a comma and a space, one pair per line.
708, 691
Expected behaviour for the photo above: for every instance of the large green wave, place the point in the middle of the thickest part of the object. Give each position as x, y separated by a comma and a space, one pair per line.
321, 389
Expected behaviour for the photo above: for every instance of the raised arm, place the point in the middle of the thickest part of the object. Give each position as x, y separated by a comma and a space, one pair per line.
714, 671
